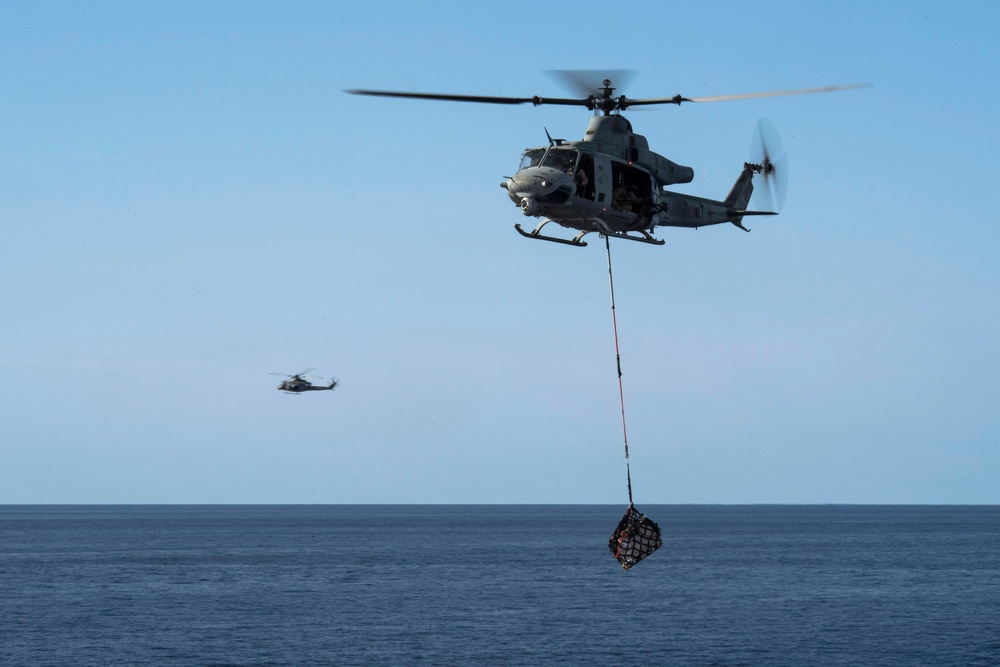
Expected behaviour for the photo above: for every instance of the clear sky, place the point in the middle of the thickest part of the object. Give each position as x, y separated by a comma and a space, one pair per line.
188, 202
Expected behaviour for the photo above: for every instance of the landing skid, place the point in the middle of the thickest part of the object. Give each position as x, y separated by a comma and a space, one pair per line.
603, 230
610, 233
555, 239
645, 238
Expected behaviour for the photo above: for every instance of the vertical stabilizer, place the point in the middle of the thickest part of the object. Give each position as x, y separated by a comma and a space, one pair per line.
739, 196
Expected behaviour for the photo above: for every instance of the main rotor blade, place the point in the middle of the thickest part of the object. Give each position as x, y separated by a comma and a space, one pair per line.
450, 98
677, 99
778, 93
471, 98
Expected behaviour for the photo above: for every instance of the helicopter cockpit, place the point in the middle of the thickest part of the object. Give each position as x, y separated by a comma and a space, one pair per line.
563, 159
531, 158
578, 166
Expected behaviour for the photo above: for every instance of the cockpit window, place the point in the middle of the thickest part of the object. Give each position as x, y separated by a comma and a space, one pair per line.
563, 159
531, 158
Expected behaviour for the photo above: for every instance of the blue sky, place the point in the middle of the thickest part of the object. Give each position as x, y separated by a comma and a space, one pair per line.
189, 202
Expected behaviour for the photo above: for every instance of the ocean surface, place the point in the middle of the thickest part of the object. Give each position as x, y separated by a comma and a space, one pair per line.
498, 585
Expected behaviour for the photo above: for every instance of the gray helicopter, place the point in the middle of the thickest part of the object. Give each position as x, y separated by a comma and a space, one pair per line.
611, 183
297, 383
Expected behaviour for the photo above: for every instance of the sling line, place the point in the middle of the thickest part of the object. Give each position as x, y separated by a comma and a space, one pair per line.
636, 536
618, 361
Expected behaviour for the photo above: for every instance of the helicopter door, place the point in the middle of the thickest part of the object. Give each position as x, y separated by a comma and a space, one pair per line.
602, 184
631, 189
585, 184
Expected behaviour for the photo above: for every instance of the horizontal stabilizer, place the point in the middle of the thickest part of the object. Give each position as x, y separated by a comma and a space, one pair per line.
742, 213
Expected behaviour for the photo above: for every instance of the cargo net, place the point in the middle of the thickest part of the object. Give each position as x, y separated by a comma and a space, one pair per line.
635, 538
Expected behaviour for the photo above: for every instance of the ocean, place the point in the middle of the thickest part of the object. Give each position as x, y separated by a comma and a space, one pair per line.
498, 585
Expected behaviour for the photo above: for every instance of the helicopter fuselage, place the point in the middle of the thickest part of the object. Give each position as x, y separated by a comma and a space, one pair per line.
299, 386
611, 183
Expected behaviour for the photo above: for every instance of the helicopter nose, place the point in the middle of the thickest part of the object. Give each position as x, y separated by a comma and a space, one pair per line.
538, 182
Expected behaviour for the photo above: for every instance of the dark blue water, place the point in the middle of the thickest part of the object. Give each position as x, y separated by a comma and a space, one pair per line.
498, 585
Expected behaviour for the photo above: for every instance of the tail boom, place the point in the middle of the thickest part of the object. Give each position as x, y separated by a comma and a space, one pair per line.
678, 210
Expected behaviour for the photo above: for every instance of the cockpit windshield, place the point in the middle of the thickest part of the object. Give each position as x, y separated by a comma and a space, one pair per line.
563, 159
531, 158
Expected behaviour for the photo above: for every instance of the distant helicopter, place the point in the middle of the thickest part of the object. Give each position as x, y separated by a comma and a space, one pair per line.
611, 183
296, 384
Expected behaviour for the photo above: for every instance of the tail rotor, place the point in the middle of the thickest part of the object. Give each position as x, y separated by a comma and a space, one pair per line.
767, 152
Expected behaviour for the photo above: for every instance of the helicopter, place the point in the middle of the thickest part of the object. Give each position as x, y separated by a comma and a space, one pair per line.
611, 183
297, 383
